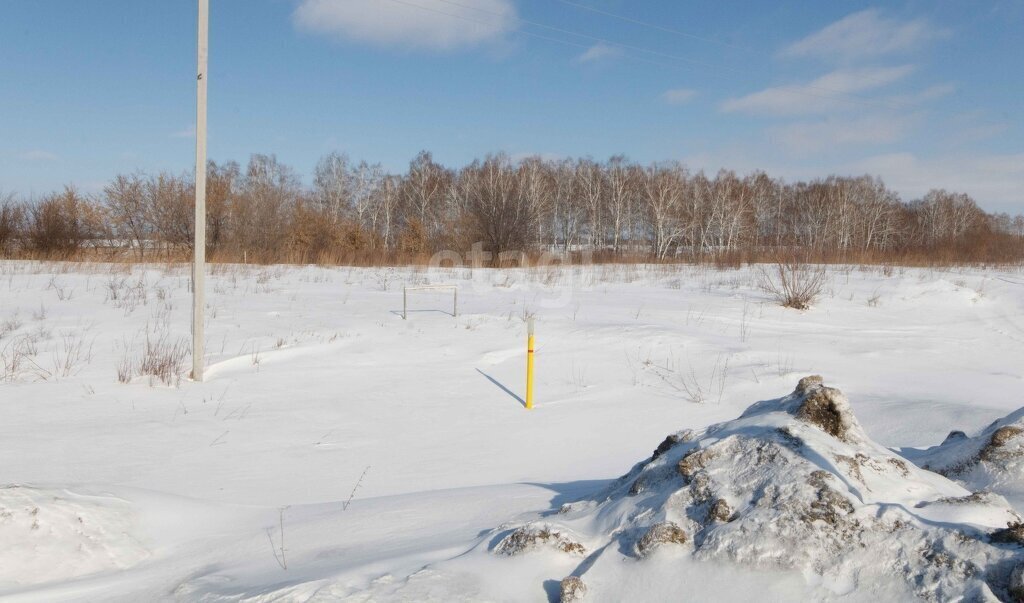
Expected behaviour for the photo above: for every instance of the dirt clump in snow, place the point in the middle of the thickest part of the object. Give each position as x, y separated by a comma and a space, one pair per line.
900, 466
998, 449
828, 505
974, 498
1016, 586
660, 534
992, 460
826, 408
690, 464
805, 384
1013, 533
571, 589
669, 442
532, 537
720, 511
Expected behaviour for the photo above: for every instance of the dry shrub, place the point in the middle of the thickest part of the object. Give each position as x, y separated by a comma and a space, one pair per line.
571, 589
315, 236
61, 224
414, 239
18, 360
12, 217
161, 357
71, 352
13, 357
793, 284
164, 358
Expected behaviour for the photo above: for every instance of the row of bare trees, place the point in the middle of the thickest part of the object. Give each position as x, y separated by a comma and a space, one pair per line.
615, 209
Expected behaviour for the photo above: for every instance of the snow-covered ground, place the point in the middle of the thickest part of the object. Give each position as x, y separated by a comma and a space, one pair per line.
338, 451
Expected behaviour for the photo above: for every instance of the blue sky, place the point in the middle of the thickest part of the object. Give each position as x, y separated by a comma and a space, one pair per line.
924, 94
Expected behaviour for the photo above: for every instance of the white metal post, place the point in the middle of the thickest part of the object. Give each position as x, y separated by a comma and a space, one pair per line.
199, 245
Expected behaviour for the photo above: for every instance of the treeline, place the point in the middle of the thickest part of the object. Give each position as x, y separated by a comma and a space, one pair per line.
615, 210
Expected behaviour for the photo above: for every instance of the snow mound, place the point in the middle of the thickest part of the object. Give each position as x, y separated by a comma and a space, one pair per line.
532, 537
51, 535
992, 460
796, 483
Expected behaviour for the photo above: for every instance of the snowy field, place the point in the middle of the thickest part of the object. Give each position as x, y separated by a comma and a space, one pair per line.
338, 452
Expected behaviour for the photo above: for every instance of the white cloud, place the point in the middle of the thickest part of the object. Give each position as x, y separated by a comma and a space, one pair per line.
598, 52
865, 35
806, 137
678, 96
189, 132
923, 96
995, 181
429, 24
827, 93
978, 132
38, 155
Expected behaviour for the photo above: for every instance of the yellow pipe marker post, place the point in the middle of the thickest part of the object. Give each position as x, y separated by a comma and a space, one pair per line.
529, 364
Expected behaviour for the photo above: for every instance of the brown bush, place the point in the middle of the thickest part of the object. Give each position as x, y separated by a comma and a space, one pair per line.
61, 224
414, 241
793, 284
12, 217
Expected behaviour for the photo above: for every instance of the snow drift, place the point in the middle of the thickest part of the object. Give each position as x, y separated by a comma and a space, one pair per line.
993, 460
794, 483
49, 535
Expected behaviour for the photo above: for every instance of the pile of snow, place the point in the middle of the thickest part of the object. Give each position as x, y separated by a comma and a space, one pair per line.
793, 484
993, 460
50, 535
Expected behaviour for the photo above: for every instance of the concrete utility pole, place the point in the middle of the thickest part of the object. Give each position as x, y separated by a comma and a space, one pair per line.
199, 246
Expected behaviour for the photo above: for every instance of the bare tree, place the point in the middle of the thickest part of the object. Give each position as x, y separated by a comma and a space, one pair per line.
333, 186
125, 202
590, 191
504, 218
567, 216
262, 209
221, 187
662, 193
622, 191
424, 191
169, 202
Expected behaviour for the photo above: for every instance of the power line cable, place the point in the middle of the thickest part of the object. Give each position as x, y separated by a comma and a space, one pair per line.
654, 26
797, 89
525, 32
801, 90
586, 36
700, 38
